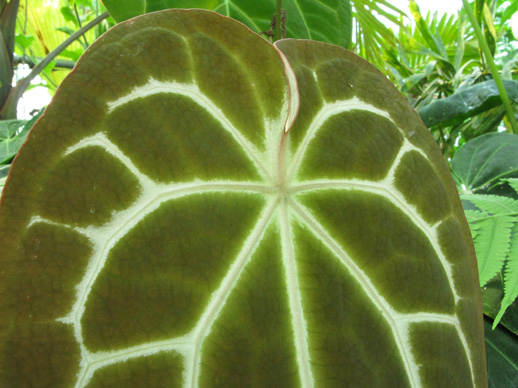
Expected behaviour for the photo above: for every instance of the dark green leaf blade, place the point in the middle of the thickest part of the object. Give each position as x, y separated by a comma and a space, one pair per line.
124, 10
492, 295
12, 136
467, 103
325, 20
502, 356
481, 162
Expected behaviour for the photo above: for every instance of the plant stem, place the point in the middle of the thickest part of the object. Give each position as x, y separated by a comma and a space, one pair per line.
9, 109
277, 30
61, 63
80, 26
494, 70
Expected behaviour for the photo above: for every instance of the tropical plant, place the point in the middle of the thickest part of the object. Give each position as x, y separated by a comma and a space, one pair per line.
432, 56
494, 228
215, 210
466, 118
372, 35
438, 66
479, 168
328, 21
39, 45
29, 47
42, 27
12, 135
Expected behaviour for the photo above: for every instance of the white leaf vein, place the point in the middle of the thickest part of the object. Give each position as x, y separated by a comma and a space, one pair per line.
192, 91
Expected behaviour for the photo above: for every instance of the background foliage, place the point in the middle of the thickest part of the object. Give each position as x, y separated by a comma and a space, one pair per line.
435, 61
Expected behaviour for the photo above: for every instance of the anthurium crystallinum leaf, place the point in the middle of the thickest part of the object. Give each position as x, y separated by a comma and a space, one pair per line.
198, 207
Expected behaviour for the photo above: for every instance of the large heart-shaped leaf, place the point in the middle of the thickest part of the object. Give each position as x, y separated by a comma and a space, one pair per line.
172, 222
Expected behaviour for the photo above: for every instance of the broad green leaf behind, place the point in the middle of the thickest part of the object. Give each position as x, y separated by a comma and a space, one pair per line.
480, 163
324, 20
466, 103
502, 355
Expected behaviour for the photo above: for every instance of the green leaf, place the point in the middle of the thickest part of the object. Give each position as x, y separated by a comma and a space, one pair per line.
474, 215
495, 233
69, 15
198, 207
4, 170
24, 41
499, 215
492, 295
11, 138
124, 10
373, 35
502, 357
325, 20
510, 276
72, 54
467, 103
492, 245
66, 30
494, 204
513, 182
434, 42
511, 270
481, 162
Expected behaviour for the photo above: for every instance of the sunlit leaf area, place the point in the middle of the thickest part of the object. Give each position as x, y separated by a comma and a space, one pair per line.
277, 193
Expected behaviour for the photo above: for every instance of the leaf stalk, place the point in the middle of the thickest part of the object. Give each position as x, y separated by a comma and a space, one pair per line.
278, 17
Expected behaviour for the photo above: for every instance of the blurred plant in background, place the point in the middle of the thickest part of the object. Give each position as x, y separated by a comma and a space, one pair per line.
435, 58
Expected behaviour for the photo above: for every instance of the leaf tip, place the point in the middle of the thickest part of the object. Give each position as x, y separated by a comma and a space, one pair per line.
293, 89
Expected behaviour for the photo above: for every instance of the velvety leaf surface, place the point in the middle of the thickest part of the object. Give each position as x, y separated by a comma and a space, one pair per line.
172, 222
